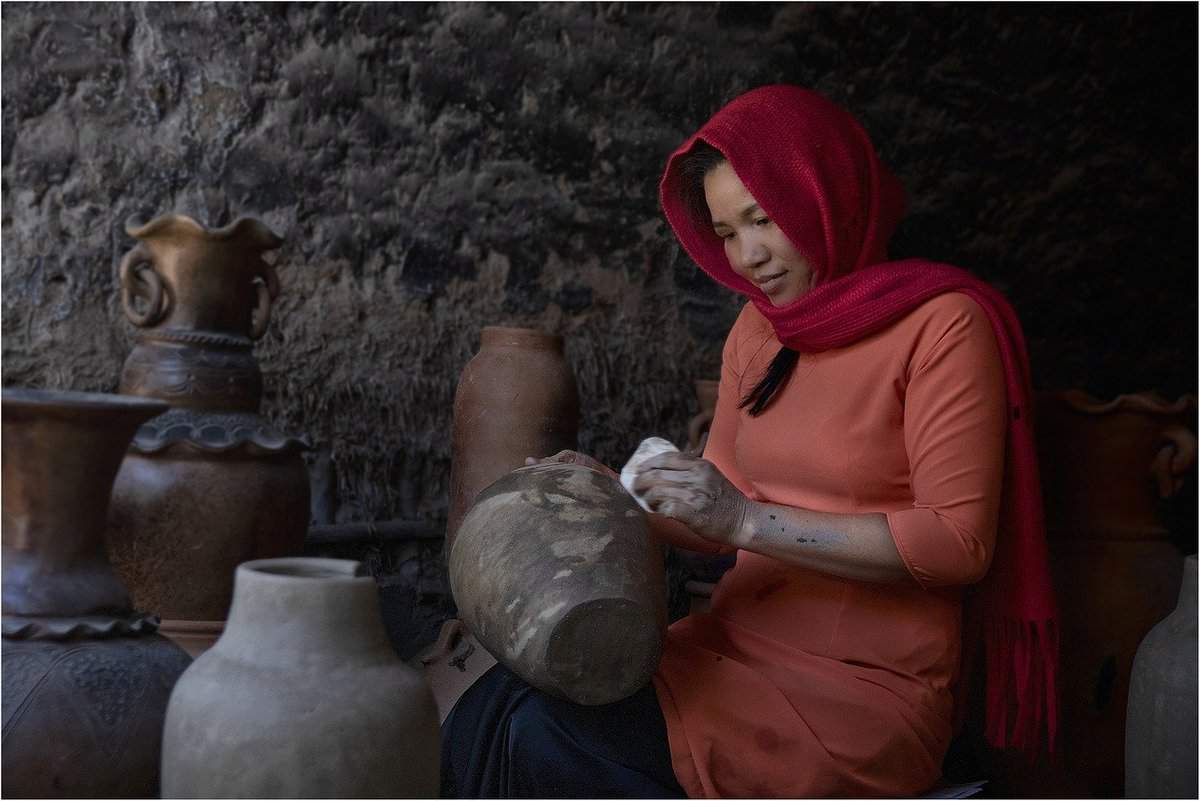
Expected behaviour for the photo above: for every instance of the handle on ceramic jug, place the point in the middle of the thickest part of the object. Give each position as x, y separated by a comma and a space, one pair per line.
698, 432
1176, 456
266, 285
138, 278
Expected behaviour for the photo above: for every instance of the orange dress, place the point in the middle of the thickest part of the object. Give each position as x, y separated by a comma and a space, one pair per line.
799, 683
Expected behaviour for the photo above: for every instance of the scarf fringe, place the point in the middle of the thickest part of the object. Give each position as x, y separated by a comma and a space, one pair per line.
1021, 669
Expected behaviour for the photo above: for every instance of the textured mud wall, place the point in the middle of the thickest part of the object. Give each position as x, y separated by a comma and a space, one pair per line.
438, 168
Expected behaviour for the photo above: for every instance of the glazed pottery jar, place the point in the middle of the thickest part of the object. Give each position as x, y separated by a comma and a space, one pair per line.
302, 696
516, 398
210, 483
86, 678
555, 571
1161, 727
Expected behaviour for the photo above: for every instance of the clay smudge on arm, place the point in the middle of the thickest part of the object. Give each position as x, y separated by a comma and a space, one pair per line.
822, 538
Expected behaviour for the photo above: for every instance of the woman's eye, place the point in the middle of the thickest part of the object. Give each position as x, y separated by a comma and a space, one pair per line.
727, 235
760, 222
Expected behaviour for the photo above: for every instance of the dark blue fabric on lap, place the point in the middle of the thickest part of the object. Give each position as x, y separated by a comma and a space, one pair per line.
505, 739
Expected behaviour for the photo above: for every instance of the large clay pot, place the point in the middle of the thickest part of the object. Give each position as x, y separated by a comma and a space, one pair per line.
1161, 729
1110, 470
302, 696
211, 483
555, 571
86, 678
516, 398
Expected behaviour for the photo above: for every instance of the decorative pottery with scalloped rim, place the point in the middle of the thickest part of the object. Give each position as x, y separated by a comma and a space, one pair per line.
210, 483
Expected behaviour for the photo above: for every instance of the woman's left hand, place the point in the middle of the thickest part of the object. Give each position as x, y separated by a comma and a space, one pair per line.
694, 492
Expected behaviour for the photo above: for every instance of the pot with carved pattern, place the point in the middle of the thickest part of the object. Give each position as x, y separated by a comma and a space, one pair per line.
86, 678
210, 483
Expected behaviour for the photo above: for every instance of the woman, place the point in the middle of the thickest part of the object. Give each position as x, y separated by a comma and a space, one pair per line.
869, 457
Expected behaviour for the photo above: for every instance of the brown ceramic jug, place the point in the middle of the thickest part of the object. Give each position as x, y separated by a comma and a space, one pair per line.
302, 696
555, 571
86, 678
211, 483
1109, 471
516, 398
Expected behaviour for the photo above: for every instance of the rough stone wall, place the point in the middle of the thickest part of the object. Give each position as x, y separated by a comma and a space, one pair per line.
436, 168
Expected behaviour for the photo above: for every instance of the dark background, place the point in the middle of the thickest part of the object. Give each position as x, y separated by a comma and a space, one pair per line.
436, 168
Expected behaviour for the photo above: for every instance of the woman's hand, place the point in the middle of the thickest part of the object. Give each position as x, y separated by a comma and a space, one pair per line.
574, 457
694, 492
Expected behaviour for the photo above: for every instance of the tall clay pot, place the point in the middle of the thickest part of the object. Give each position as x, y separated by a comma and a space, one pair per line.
302, 696
516, 398
555, 571
210, 483
86, 678
1161, 727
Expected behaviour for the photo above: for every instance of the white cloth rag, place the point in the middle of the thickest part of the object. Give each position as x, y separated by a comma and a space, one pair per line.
651, 446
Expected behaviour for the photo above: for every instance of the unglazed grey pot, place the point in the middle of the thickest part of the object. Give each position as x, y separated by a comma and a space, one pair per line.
555, 571
302, 696
1161, 728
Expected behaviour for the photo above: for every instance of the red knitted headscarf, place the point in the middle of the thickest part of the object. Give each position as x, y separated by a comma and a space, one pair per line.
812, 169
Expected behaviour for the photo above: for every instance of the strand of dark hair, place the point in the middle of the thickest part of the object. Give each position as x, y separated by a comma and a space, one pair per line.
777, 375
698, 162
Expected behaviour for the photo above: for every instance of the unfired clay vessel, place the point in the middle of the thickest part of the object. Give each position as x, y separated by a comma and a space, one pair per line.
302, 696
555, 571
210, 483
1161, 726
516, 398
86, 678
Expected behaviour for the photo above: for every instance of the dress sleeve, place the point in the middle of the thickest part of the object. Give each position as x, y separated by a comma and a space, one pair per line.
954, 429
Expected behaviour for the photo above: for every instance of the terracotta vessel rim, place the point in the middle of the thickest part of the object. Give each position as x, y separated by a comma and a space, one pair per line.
495, 334
27, 398
1149, 402
301, 569
263, 236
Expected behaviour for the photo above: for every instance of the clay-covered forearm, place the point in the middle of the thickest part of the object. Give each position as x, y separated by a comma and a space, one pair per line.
677, 534
854, 546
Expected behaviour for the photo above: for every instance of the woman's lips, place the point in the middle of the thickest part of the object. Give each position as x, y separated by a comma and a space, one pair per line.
771, 283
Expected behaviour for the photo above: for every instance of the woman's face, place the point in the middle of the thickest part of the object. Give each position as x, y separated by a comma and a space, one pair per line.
756, 248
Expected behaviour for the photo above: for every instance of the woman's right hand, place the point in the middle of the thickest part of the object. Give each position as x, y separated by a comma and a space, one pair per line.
575, 457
